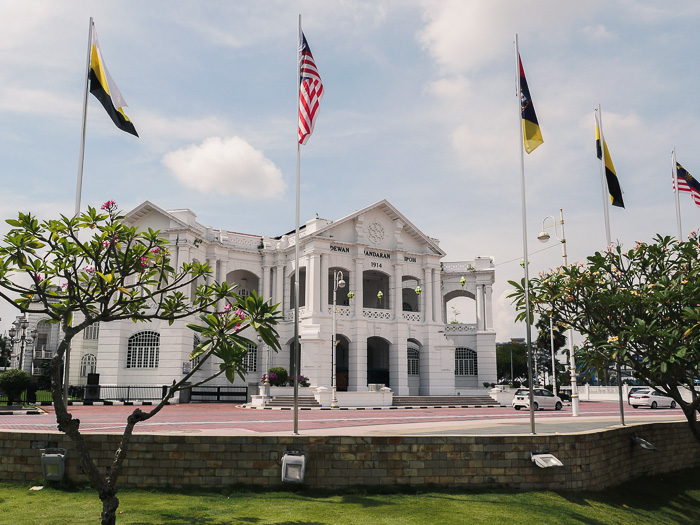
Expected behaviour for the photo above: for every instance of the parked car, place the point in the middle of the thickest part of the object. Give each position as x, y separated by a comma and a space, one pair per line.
542, 398
649, 397
634, 389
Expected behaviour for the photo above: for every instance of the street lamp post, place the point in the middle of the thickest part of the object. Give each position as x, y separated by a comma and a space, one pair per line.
338, 282
544, 237
18, 334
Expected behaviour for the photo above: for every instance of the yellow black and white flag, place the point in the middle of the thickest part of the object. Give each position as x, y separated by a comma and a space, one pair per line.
610, 176
105, 90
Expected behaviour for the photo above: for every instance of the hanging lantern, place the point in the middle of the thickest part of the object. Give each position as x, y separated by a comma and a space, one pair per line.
418, 290
462, 281
380, 295
351, 295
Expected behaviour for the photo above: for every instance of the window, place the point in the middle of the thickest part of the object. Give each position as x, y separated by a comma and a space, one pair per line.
465, 362
413, 355
195, 343
92, 332
88, 365
143, 350
250, 361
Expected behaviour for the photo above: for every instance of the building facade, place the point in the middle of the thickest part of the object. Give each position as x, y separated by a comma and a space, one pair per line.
391, 316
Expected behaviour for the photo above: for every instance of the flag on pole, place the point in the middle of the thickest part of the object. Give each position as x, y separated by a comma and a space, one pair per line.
687, 183
310, 91
105, 90
614, 188
532, 136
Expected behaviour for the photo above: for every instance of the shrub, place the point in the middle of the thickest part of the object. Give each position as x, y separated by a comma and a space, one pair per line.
280, 376
14, 382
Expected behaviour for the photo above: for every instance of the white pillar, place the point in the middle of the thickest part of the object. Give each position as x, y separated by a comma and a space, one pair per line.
437, 309
398, 290
428, 291
279, 294
324, 283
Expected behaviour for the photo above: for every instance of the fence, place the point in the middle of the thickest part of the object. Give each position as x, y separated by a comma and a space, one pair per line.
219, 394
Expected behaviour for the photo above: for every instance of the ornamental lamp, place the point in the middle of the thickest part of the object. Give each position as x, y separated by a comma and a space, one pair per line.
462, 281
418, 290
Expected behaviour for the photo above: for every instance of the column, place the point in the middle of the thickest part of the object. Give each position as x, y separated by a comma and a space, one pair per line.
312, 284
428, 291
279, 293
324, 283
265, 279
357, 288
437, 308
488, 306
398, 290
479, 307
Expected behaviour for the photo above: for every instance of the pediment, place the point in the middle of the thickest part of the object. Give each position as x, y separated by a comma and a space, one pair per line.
380, 226
148, 215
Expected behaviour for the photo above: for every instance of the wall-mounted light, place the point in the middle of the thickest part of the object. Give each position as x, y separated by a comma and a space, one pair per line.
543, 459
53, 463
293, 467
642, 443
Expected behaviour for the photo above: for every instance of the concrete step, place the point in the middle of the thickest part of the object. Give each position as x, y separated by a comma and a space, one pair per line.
423, 401
288, 401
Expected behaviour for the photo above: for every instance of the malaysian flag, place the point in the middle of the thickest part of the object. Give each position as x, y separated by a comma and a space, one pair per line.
310, 92
687, 183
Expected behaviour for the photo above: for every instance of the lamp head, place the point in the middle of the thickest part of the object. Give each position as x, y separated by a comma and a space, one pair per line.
418, 290
341, 283
543, 236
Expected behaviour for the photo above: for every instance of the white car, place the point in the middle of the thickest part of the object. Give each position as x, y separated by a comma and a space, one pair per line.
649, 397
543, 399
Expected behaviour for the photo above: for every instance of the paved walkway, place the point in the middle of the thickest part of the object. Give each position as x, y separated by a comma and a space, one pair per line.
226, 419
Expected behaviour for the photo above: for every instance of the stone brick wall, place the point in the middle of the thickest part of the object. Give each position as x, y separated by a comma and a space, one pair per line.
592, 460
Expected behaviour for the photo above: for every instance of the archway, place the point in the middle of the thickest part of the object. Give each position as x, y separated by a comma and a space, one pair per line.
246, 281
377, 361
342, 363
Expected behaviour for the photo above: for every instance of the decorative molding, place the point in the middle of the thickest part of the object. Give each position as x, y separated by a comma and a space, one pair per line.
412, 316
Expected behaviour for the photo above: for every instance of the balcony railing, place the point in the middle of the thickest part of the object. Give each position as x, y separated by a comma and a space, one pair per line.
373, 313
460, 328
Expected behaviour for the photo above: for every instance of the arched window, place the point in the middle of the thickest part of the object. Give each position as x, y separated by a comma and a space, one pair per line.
88, 365
465, 362
250, 361
413, 355
143, 350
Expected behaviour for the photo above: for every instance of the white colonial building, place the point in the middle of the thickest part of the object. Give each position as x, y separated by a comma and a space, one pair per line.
391, 316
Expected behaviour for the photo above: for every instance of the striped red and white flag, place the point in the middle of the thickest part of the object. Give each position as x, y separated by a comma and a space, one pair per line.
687, 183
310, 92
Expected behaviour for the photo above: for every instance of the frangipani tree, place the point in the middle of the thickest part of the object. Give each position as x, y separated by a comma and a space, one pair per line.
639, 307
93, 268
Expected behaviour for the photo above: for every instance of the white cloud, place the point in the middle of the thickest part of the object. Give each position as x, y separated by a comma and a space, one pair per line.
227, 166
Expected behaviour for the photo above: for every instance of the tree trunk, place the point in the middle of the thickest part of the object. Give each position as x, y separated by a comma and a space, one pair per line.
110, 503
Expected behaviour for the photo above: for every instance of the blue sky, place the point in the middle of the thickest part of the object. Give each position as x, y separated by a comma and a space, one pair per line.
419, 109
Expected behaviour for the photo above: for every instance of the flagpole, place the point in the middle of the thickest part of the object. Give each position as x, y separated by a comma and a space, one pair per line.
606, 204
604, 184
296, 253
677, 192
79, 189
78, 192
528, 335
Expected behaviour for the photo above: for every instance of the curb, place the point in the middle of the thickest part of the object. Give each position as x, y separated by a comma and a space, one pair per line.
254, 407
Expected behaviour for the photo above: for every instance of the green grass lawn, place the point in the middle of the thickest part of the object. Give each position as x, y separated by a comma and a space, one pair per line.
670, 499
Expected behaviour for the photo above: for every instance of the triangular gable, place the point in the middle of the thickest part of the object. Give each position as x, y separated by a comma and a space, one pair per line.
143, 214
392, 213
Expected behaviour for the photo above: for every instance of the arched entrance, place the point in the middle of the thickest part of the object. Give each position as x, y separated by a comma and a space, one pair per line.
342, 363
377, 361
